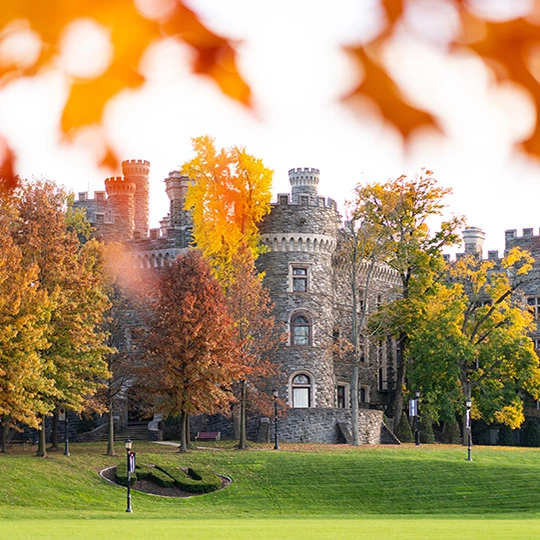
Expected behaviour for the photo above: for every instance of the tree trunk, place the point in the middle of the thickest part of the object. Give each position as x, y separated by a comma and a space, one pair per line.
42, 450
5, 430
354, 404
110, 436
242, 442
54, 434
400, 381
184, 426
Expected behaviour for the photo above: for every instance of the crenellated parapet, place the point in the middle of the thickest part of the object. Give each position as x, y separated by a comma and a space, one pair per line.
137, 171
307, 243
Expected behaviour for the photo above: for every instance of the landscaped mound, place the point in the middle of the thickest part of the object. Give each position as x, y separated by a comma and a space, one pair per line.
190, 481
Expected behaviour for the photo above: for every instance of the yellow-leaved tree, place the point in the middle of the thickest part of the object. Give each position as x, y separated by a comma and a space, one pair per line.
229, 195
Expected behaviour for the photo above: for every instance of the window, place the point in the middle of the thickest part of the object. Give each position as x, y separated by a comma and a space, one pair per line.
301, 391
534, 306
364, 394
300, 329
299, 279
536, 342
100, 218
342, 397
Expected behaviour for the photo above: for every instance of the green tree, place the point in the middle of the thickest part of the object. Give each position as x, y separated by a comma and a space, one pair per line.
190, 360
229, 195
399, 211
471, 339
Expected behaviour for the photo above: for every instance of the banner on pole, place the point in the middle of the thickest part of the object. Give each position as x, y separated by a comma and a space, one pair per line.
413, 407
468, 419
132, 459
61, 414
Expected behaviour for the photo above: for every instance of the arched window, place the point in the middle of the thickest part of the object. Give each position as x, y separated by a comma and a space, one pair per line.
301, 390
300, 329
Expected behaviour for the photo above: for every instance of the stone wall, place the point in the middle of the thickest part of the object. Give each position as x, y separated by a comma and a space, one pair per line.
321, 425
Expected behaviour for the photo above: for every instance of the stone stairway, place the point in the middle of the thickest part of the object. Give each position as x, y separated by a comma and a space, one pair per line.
136, 431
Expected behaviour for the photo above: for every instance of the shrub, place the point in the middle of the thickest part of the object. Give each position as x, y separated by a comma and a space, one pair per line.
451, 433
426, 430
505, 436
531, 434
198, 480
122, 474
403, 431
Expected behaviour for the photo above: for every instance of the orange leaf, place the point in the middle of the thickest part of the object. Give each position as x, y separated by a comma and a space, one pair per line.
380, 88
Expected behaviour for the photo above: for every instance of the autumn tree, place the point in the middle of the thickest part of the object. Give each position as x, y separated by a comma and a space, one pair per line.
360, 250
72, 276
399, 211
228, 197
257, 337
471, 340
25, 311
190, 350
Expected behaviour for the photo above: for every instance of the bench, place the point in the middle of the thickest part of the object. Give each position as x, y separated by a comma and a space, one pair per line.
208, 436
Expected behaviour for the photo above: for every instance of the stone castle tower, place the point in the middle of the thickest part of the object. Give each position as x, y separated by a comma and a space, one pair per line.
301, 234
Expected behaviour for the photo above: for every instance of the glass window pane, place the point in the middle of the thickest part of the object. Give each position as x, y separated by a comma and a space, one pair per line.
300, 271
299, 284
301, 397
301, 379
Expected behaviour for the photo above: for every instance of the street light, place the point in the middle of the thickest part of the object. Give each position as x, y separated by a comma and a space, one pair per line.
276, 441
417, 423
128, 450
468, 403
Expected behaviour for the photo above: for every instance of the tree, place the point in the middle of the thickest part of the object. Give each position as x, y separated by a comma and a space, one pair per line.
360, 250
229, 195
256, 334
72, 275
471, 340
190, 349
399, 210
25, 311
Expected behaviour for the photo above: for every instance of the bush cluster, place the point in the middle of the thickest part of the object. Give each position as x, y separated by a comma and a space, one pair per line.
403, 431
194, 481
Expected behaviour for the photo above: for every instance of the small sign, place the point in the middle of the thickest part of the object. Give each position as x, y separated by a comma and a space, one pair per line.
132, 459
413, 407
468, 419
62, 414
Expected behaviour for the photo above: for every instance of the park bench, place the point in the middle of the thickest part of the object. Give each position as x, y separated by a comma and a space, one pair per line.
208, 436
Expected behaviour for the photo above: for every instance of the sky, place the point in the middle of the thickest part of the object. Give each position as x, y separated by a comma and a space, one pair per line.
291, 53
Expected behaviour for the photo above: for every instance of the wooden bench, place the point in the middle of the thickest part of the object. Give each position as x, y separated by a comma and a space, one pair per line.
208, 436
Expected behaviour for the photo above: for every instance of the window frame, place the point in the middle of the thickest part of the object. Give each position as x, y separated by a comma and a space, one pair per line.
293, 326
309, 387
304, 278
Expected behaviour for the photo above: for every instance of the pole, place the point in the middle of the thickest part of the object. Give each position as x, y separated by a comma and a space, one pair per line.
128, 509
66, 441
276, 440
469, 441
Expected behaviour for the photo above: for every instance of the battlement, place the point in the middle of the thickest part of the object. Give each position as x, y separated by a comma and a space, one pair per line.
285, 199
118, 185
511, 234
304, 176
136, 167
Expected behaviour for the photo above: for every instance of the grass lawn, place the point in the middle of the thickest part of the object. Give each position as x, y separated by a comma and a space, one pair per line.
301, 491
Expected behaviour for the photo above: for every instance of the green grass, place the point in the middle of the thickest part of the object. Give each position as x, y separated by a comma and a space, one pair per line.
366, 490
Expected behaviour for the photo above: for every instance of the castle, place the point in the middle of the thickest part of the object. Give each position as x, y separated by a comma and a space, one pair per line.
310, 296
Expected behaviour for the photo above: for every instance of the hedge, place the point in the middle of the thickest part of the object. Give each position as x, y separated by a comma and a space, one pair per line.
198, 480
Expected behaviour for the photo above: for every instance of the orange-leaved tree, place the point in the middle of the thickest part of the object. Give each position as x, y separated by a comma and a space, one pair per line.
229, 195
190, 352
257, 335
46, 232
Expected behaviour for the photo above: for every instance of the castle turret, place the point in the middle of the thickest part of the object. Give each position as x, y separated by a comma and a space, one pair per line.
180, 220
473, 238
120, 192
304, 182
300, 235
136, 171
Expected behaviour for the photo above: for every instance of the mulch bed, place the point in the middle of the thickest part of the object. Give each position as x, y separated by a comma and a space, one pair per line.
147, 486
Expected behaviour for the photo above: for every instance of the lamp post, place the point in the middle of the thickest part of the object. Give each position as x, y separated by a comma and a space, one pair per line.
66, 441
468, 403
276, 441
417, 423
128, 450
